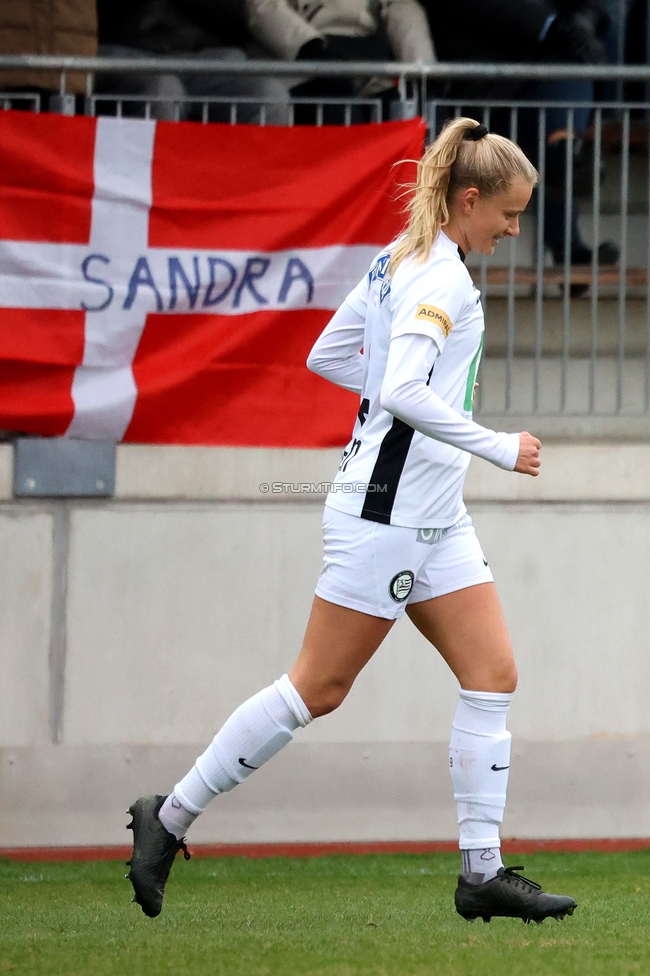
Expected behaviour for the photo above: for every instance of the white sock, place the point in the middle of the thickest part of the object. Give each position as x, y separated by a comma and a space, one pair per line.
253, 734
482, 865
479, 760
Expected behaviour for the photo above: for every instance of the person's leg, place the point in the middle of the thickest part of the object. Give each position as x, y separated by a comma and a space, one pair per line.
324, 88
557, 133
338, 643
455, 605
468, 629
166, 91
578, 93
357, 601
615, 41
558, 123
272, 93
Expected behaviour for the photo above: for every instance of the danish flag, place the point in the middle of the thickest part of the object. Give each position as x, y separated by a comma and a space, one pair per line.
163, 282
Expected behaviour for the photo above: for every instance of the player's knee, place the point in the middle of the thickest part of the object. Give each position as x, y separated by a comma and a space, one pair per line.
499, 676
505, 678
327, 698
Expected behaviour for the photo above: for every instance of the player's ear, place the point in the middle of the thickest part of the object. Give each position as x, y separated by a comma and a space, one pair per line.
468, 197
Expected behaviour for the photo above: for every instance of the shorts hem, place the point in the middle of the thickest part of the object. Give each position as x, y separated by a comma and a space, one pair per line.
351, 604
463, 584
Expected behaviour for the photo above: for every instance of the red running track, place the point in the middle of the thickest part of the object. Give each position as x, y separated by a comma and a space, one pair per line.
511, 847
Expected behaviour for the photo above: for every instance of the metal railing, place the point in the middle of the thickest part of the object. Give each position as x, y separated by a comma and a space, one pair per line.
568, 327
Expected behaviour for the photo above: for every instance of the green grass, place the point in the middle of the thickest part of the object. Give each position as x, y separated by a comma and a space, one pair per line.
388, 915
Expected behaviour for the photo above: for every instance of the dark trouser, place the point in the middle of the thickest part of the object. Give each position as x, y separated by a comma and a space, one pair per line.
372, 48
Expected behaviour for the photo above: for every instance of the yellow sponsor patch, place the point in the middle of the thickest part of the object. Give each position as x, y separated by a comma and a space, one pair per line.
429, 313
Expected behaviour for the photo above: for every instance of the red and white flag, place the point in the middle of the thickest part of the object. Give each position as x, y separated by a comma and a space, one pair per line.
164, 282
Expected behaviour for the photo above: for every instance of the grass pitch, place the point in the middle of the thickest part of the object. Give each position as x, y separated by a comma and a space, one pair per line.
387, 915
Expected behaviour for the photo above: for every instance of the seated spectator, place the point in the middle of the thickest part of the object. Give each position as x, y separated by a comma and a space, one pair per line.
341, 30
213, 29
615, 35
58, 27
533, 30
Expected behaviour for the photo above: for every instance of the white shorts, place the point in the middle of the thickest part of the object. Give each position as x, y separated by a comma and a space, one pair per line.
379, 569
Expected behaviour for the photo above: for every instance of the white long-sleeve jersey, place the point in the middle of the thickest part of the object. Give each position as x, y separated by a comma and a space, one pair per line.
410, 346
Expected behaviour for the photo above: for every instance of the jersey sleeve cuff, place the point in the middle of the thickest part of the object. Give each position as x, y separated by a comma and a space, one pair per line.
511, 451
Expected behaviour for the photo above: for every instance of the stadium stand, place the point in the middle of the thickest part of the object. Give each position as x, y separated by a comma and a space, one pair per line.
194, 29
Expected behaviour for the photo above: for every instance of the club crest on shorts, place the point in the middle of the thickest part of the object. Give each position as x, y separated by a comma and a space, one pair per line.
401, 585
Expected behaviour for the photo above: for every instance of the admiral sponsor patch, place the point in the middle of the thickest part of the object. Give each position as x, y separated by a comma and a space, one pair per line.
429, 313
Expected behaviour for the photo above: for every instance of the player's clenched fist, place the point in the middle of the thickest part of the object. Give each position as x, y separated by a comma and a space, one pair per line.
528, 461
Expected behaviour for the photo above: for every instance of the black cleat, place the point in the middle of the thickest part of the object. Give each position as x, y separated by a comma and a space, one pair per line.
510, 895
154, 850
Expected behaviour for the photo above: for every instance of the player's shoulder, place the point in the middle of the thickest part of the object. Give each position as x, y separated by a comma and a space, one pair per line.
442, 269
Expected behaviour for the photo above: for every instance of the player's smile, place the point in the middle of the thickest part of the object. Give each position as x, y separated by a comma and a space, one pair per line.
484, 221
503, 210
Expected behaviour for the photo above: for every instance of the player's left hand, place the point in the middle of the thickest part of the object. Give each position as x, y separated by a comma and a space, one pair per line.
528, 461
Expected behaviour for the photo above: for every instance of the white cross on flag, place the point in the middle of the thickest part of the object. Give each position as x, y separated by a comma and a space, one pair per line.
164, 282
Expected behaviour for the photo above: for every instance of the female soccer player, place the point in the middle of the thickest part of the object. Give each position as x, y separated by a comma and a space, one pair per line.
397, 534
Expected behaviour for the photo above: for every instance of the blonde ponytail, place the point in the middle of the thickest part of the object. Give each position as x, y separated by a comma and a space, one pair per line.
456, 159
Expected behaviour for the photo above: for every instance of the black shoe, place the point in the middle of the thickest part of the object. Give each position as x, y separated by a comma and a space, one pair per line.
510, 895
154, 850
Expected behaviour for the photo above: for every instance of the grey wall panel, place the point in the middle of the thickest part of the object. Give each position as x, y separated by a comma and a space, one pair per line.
177, 609
25, 611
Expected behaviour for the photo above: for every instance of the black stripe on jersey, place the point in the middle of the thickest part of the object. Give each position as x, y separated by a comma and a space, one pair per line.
363, 411
388, 468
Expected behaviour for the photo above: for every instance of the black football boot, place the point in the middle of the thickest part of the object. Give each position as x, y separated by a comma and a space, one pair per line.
154, 850
510, 895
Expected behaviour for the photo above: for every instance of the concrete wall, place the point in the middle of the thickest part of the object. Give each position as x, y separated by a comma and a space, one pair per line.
131, 627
